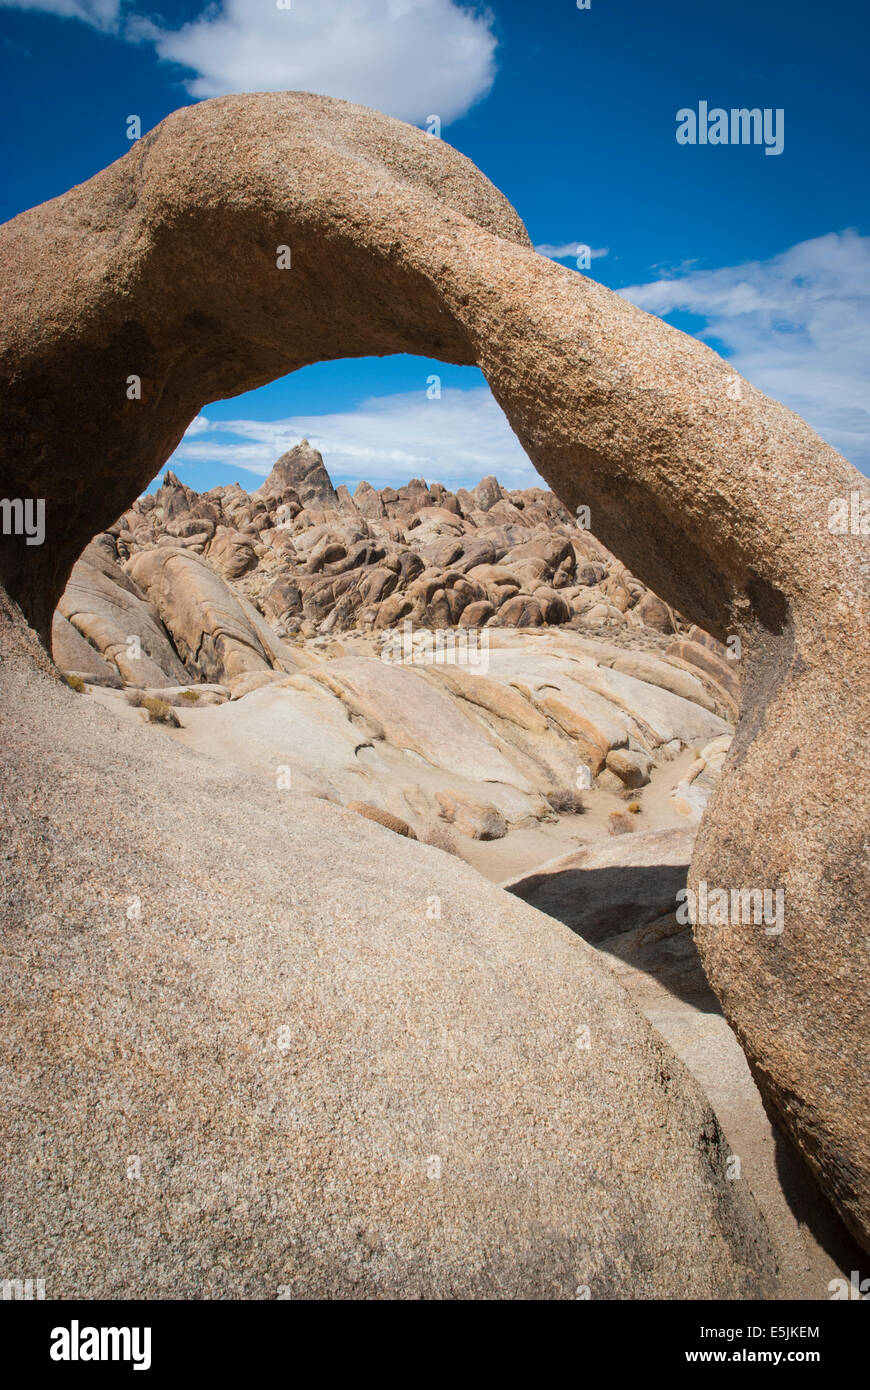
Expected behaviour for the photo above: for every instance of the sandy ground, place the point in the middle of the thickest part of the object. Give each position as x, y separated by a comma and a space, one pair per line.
520, 851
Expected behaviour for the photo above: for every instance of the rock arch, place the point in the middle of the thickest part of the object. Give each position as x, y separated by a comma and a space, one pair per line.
164, 267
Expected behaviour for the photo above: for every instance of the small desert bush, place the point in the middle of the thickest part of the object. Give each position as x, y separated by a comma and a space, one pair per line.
440, 837
75, 683
568, 801
159, 712
190, 695
620, 823
154, 711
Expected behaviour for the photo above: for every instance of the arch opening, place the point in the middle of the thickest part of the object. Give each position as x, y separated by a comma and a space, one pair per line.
166, 268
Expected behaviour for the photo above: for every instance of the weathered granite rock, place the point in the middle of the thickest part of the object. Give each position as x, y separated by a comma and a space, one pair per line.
331, 1070
339, 567
301, 470
719, 504
112, 614
76, 657
207, 622
231, 553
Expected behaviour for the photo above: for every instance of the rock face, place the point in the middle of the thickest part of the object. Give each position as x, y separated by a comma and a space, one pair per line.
299, 475
109, 610
716, 498
77, 658
209, 626
429, 742
439, 745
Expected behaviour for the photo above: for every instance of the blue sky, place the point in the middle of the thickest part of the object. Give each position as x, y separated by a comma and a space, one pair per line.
572, 113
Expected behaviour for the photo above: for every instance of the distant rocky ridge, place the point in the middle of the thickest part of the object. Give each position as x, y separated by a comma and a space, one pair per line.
305, 553
215, 584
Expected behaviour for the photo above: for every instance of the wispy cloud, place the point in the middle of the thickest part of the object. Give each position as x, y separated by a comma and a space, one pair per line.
797, 326
408, 58
102, 14
570, 250
456, 440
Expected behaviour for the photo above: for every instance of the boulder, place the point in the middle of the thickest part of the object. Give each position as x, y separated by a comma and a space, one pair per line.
108, 609
487, 493
231, 553
631, 767
301, 471
372, 1081
208, 624
367, 501
75, 656
473, 818
655, 614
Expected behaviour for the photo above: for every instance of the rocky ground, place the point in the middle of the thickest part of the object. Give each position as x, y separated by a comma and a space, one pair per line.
312, 560
470, 670
257, 1045
475, 667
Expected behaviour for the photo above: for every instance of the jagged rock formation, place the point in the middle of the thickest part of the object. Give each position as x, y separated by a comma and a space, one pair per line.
299, 478
310, 560
717, 499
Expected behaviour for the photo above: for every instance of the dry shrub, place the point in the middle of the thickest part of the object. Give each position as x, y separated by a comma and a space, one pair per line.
567, 802
620, 823
75, 683
154, 711
159, 712
440, 838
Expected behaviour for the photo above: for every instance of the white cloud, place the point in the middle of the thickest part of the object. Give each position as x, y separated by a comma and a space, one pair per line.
570, 250
198, 425
797, 326
456, 440
102, 14
408, 58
